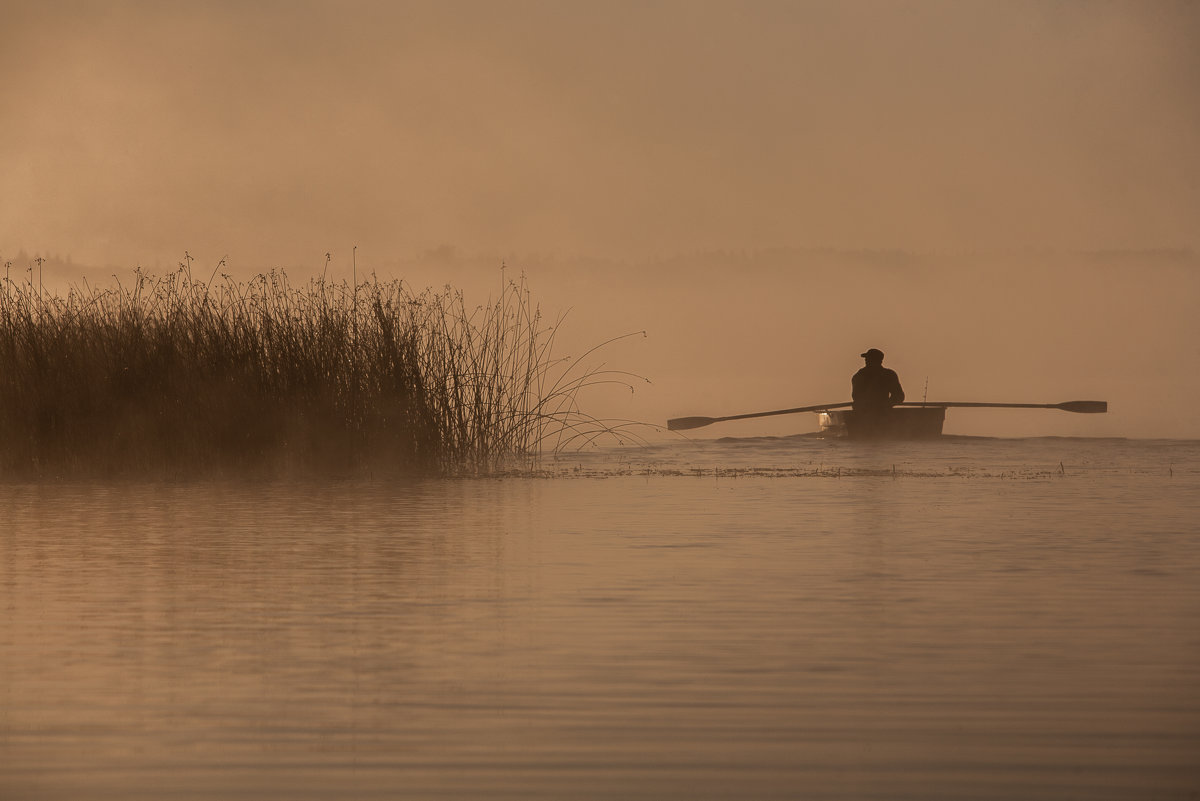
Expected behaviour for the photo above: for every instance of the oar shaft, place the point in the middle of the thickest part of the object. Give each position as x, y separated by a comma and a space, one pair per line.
685, 423
819, 408
1080, 407
958, 405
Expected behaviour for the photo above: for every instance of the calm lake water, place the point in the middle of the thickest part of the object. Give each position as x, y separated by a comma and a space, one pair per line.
786, 618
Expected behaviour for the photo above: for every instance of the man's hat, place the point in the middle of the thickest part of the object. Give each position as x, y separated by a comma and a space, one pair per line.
873, 353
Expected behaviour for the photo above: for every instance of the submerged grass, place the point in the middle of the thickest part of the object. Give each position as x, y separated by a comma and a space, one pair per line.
187, 376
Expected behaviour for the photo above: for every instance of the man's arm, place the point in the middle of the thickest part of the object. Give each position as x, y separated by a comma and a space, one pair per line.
897, 393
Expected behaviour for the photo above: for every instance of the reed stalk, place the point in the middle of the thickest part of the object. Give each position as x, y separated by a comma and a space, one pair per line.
181, 375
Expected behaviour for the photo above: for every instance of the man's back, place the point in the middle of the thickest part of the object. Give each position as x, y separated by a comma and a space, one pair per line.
875, 387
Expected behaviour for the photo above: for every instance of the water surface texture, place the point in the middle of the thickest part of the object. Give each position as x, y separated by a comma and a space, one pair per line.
785, 618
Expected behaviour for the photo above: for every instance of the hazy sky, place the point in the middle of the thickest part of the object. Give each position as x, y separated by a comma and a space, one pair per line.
616, 149
276, 131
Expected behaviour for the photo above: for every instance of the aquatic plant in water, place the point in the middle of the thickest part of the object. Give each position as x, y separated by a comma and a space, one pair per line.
178, 374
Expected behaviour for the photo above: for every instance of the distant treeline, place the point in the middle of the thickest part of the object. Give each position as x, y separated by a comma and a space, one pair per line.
181, 376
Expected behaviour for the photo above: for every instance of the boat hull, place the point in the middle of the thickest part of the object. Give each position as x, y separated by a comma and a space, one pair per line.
913, 422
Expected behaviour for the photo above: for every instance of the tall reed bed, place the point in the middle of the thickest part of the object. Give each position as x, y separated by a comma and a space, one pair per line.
187, 376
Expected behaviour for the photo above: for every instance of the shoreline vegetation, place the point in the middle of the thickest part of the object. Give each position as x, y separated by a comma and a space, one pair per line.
178, 376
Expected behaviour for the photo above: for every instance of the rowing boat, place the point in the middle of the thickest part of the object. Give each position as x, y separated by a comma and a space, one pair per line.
917, 422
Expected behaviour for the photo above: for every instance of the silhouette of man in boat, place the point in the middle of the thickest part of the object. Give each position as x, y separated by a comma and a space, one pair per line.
875, 390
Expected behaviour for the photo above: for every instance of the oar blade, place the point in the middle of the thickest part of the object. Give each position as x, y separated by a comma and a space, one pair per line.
685, 423
1084, 407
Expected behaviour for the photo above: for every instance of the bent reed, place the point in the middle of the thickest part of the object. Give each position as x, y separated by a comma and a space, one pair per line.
180, 376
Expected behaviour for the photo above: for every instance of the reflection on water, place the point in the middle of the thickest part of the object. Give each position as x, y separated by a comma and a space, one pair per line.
1001, 619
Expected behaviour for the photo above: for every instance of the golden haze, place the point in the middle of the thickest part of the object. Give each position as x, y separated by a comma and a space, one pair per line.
1002, 196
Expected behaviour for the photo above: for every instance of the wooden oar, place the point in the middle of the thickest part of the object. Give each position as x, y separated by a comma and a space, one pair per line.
684, 423
1081, 407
